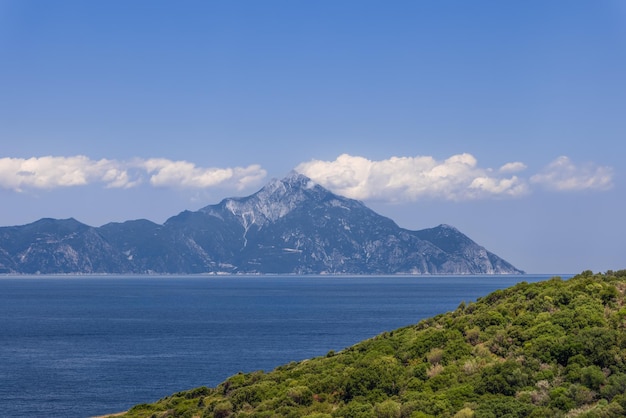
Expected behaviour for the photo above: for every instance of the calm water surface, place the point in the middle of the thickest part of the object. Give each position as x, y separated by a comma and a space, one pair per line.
82, 346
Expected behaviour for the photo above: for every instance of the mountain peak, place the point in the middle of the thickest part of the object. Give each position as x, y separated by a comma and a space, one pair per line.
274, 201
293, 177
290, 183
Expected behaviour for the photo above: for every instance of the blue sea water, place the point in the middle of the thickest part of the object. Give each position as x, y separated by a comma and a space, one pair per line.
84, 346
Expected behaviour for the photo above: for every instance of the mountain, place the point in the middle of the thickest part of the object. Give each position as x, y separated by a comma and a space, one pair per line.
549, 349
291, 225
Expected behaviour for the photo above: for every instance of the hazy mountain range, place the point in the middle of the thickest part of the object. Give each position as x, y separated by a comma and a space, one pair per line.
289, 226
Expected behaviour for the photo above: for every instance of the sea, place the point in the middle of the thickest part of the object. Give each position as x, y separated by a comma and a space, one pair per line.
81, 346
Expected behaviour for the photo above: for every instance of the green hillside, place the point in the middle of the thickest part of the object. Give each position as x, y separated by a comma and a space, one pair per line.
550, 349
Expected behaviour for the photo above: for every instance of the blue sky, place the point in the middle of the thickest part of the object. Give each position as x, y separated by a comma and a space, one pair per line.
504, 119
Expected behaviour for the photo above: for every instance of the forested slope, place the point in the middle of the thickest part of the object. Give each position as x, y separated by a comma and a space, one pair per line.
550, 349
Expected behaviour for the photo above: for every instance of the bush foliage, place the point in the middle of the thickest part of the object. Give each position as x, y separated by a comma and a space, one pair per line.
551, 349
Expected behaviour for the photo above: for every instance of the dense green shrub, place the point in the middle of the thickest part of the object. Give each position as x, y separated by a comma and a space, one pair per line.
535, 350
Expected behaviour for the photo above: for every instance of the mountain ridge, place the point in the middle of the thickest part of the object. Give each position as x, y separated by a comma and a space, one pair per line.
290, 226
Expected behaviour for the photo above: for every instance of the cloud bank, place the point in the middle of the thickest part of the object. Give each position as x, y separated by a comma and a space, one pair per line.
456, 178
50, 172
397, 179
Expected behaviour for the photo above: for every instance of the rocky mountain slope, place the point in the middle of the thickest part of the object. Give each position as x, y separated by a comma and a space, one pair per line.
289, 226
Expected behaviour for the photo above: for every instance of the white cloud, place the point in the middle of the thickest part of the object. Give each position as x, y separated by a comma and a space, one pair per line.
167, 173
493, 186
563, 175
513, 167
412, 178
184, 174
52, 172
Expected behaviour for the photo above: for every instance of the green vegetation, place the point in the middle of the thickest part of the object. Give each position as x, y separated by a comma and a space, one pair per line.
550, 349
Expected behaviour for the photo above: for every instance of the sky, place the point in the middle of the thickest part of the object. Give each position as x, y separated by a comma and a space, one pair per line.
506, 120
